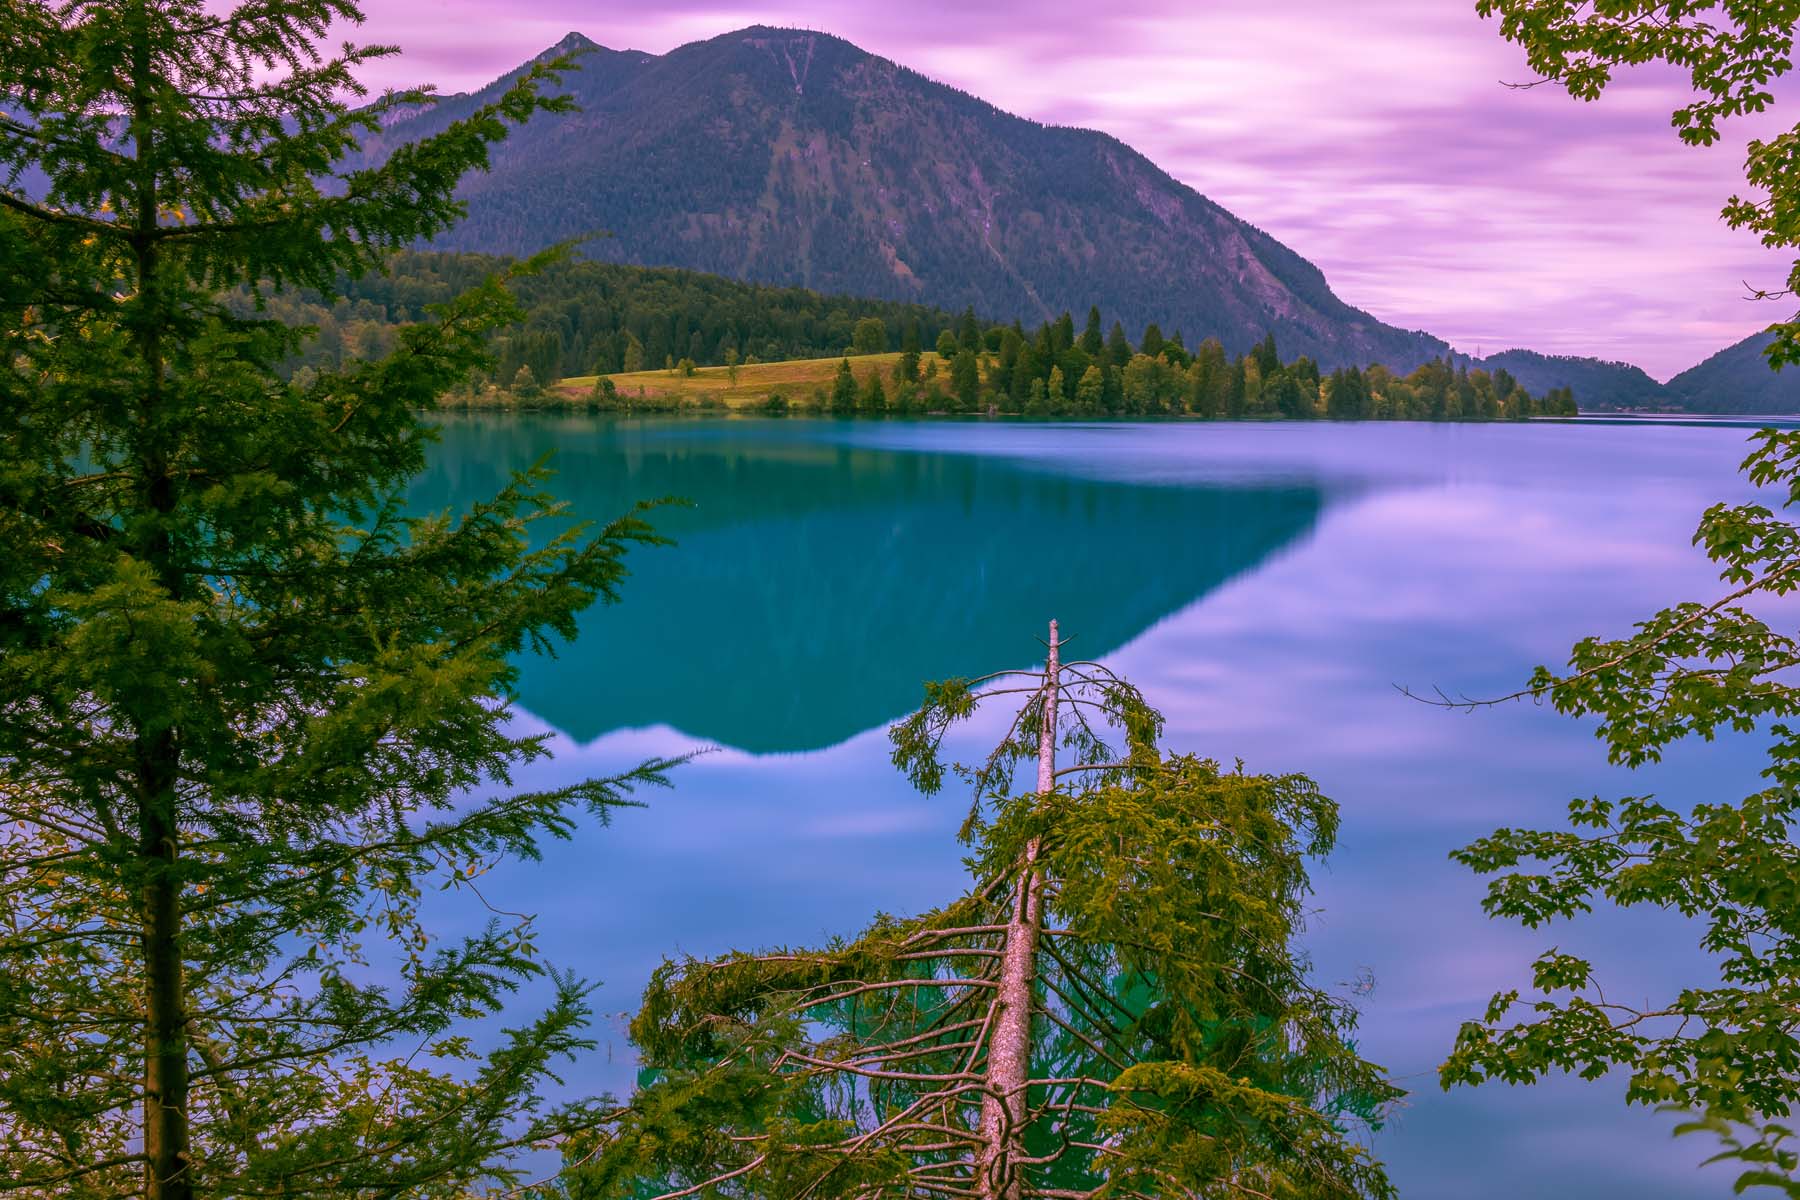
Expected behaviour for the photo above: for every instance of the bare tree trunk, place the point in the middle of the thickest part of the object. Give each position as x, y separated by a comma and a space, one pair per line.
1009, 1053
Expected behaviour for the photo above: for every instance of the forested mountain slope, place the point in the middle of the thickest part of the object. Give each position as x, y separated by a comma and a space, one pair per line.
793, 157
1737, 380
583, 317
1599, 385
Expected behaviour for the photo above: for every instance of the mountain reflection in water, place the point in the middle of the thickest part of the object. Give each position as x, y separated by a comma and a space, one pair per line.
817, 584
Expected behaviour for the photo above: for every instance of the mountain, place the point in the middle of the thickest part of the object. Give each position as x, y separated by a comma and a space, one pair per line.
791, 157
1737, 380
1598, 385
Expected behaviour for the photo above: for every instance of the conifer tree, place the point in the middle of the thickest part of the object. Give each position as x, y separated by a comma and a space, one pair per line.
1237, 390
906, 370
1113, 1008
1152, 343
1092, 341
243, 696
1268, 359
843, 389
965, 381
1118, 346
968, 331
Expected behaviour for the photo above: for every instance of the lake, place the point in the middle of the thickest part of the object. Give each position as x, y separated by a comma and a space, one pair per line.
1268, 586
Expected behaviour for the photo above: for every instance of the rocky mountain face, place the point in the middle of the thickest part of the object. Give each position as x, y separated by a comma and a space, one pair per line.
784, 156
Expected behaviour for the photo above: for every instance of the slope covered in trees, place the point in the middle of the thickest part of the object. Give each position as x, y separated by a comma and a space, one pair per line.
1600, 385
1737, 380
585, 318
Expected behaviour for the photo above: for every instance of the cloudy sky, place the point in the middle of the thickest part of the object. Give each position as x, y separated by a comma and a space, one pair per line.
1374, 137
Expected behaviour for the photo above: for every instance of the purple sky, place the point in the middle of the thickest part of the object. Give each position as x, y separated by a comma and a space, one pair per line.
1373, 137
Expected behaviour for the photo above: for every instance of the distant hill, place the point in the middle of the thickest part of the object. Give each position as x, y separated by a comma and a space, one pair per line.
1737, 380
1598, 385
790, 157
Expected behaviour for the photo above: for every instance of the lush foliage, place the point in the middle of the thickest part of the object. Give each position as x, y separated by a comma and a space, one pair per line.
1114, 1007
242, 696
1727, 1048
1733, 51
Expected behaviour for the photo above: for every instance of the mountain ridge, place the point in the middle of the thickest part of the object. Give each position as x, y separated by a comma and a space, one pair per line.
793, 157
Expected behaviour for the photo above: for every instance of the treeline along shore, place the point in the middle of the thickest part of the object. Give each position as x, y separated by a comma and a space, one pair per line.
622, 338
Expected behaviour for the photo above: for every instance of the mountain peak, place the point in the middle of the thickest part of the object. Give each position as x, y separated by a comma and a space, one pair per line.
791, 156
573, 42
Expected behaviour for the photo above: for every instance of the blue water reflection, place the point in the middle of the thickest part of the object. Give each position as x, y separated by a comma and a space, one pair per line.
1267, 586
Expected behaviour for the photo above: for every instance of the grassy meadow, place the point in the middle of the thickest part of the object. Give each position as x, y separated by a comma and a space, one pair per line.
713, 387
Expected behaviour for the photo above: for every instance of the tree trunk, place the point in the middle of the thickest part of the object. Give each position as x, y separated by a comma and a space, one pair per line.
165, 1017
166, 1173
1003, 1107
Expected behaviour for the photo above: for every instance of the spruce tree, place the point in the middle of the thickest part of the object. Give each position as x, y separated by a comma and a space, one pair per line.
1268, 359
968, 331
965, 381
1114, 1007
906, 370
244, 696
1152, 343
843, 389
1092, 340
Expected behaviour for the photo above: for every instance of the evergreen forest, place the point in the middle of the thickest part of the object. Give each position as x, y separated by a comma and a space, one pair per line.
585, 318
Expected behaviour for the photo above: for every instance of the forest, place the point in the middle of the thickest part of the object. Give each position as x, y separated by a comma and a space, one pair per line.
1056, 373
585, 318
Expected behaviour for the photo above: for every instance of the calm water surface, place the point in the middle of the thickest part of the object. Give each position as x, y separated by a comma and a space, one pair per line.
1266, 585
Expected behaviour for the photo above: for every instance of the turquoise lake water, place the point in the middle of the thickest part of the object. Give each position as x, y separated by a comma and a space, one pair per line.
1268, 586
